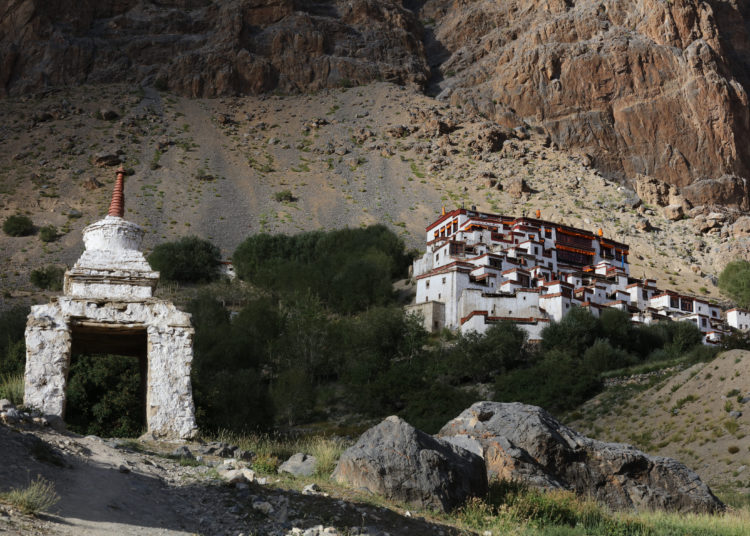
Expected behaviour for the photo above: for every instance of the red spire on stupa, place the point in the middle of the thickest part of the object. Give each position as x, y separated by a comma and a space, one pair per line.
117, 206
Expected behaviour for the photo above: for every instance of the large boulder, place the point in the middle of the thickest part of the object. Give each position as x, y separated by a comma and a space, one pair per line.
399, 462
526, 443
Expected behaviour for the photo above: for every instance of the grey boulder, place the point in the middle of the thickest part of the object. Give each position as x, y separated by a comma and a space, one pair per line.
299, 465
399, 462
526, 443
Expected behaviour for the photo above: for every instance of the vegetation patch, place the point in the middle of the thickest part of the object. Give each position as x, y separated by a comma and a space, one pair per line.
39, 496
18, 225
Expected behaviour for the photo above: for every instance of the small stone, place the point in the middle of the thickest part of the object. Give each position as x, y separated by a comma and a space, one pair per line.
735, 414
264, 507
6, 404
123, 469
183, 452
108, 114
311, 489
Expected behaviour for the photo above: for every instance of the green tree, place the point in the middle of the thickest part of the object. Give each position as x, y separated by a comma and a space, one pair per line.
187, 260
734, 280
574, 333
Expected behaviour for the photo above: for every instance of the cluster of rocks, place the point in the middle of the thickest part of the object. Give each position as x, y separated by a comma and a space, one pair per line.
10, 415
517, 442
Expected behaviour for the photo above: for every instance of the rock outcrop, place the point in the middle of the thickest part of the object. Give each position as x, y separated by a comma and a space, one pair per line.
204, 48
525, 442
652, 87
397, 461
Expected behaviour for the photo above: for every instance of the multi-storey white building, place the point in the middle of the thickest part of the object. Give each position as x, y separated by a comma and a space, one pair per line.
482, 268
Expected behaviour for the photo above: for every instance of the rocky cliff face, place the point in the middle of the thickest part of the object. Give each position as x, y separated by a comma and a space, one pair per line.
651, 87
205, 48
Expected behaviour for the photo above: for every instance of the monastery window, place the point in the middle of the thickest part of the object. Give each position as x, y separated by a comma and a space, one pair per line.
703, 321
548, 233
536, 251
443, 281
567, 305
439, 296
674, 303
713, 313
437, 256
644, 294
427, 284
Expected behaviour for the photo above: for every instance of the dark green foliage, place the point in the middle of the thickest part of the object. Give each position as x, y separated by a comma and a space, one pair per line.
565, 371
228, 358
48, 233
558, 382
479, 358
349, 269
18, 225
12, 343
284, 196
48, 278
187, 260
574, 333
735, 281
105, 396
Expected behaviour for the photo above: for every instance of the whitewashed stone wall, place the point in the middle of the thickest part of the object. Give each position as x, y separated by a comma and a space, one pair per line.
111, 286
169, 397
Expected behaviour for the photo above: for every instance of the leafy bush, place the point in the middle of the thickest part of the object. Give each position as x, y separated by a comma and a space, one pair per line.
105, 396
12, 343
18, 225
48, 278
284, 196
187, 260
48, 233
735, 281
37, 497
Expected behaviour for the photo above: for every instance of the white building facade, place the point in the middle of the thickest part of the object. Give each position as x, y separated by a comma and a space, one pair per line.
479, 269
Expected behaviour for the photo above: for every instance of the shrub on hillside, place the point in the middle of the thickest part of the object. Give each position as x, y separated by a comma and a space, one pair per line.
18, 225
734, 280
187, 260
48, 233
48, 278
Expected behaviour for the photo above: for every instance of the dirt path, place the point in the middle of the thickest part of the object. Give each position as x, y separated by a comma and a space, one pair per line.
108, 488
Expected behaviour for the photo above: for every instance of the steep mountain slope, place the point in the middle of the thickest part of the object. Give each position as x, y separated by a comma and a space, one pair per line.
372, 154
202, 48
698, 416
655, 87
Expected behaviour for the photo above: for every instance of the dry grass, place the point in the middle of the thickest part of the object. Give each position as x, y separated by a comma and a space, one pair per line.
11, 388
37, 497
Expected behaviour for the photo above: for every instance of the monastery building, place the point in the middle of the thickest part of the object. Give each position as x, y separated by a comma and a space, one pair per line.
481, 268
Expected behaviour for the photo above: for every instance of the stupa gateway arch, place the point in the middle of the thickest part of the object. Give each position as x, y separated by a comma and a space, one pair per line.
108, 306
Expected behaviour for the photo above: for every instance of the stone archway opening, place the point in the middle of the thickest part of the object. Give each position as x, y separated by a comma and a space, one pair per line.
107, 382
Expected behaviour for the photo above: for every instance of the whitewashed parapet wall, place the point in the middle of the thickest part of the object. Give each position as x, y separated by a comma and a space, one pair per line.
111, 286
